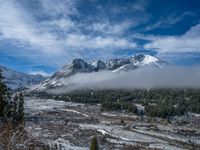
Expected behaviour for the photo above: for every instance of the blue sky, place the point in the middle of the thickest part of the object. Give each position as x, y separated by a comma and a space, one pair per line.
40, 36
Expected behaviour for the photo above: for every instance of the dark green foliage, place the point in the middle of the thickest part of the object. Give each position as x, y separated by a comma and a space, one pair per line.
94, 144
158, 102
173, 102
18, 109
4, 99
15, 110
117, 106
21, 109
10, 109
122, 121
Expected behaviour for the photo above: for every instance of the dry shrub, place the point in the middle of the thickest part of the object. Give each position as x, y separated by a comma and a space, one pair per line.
18, 139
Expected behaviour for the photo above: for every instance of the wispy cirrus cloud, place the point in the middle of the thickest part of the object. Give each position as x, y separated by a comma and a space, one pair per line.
138, 6
59, 8
188, 42
169, 21
115, 29
16, 25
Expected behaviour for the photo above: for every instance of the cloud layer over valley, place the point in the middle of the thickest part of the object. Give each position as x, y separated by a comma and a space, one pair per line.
143, 78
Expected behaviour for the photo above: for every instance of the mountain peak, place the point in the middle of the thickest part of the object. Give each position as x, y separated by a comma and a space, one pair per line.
140, 57
77, 60
17, 80
98, 64
79, 64
113, 65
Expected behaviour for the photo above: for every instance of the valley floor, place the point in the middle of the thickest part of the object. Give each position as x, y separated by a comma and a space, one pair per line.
65, 125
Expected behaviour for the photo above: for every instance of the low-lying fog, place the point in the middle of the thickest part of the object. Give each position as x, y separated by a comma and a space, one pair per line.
168, 77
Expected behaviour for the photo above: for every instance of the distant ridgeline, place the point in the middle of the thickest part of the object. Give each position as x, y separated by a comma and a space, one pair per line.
17, 81
162, 103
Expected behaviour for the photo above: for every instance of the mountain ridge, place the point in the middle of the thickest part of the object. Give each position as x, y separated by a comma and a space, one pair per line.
113, 65
19, 80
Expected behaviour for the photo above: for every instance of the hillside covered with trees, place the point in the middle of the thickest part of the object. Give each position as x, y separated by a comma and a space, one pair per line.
157, 102
13, 135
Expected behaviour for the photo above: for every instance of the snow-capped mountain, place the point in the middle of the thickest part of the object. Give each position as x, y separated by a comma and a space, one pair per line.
112, 65
18, 80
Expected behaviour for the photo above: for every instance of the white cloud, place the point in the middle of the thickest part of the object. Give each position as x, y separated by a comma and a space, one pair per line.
16, 25
108, 28
188, 42
97, 42
39, 73
19, 26
61, 24
57, 8
168, 21
138, 6
167, 77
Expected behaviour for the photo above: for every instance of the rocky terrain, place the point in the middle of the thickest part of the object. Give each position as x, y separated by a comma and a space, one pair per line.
67, 125
59, 78
18, 80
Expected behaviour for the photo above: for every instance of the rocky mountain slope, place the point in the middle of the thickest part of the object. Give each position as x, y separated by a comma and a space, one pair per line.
112, 65
18, 80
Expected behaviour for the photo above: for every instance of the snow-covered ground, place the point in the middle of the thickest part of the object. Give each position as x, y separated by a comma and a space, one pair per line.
123, 136
37, 108
71, 126
65, 145
36, 104
74, 111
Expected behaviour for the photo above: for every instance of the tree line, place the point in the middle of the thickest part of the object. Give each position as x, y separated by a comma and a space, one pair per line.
162, 103
11, 107
119, 106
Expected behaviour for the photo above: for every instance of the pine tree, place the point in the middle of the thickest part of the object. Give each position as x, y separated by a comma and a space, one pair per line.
15, 110
94, 144
4, 98
21, 109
